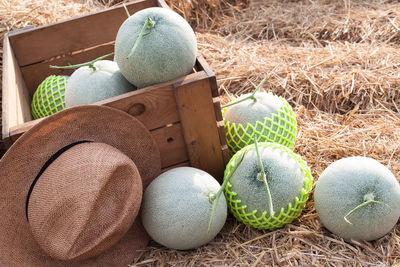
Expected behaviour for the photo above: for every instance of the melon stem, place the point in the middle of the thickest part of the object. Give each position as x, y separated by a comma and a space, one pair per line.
369, 199
90, 64
252, 96
126, 10
146, 30
264, 179
214, 198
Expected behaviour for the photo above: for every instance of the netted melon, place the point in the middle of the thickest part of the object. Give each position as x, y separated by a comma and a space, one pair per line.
266, 115
275, 201
155, 45
89, 84
177, 207
49, 96
357, 198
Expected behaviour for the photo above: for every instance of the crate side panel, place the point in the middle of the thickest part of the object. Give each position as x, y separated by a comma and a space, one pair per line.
196, 108
154, 107
15, 97
171, 144
73, 34
34, 74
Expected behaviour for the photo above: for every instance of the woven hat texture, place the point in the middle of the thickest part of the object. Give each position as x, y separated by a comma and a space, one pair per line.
88, 197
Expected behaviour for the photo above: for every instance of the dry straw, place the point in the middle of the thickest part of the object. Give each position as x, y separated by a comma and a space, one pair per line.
336, 62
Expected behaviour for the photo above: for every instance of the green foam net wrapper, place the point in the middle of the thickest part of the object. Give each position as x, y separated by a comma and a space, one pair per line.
280, 128
285, 215
49, 96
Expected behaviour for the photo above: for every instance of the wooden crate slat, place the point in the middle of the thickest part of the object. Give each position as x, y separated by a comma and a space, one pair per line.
196, 109
16, 100
217, 108
158, 108
72, 34
34, 74
154, 107
210, 73
171, 144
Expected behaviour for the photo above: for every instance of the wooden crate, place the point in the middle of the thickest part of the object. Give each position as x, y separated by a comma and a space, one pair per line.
183, 115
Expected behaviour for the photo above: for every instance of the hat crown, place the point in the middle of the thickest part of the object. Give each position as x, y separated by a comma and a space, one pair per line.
84, 202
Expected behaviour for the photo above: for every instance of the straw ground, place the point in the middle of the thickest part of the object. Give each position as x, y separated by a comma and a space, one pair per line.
336, 62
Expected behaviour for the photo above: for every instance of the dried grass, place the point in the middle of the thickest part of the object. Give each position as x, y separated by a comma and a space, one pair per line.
337, 62
320, 21
335, 78
323, 138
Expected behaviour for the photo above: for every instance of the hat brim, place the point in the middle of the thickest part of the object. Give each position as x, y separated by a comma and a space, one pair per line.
21, 163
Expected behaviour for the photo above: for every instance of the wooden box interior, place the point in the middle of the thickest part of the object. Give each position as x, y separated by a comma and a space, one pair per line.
183, 115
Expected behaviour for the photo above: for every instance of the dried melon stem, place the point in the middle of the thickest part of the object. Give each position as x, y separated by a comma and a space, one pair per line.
215, 198
252, 96
369, 199
90, 64
261, 176
146, 30
126, 10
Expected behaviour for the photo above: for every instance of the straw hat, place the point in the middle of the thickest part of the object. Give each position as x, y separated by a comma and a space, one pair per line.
71, 188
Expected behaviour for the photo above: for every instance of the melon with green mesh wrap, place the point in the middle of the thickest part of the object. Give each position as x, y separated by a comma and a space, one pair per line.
49, 96
265, 114
272, 200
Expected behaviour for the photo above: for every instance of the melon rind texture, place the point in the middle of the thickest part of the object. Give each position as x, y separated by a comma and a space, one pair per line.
176, 208
87, 86
342, 186
168, 52
280, 128
49, 96
263, 221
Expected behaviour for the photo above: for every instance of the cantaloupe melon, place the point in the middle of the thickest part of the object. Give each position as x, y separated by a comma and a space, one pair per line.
177, 206
88, 85
251, 111
49, 96
267, 115
287, 176
357, 198
167, 51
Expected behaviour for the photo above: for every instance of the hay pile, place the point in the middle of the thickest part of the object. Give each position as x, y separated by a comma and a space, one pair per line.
336, 62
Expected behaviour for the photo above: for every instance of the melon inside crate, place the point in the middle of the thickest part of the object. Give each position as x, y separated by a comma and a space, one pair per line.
183, 115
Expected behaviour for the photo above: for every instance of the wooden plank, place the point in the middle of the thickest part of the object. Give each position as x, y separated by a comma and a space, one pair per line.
72, 34
225, 154
171, 144
34, 74
169, 139
154, 106
15, 97
213, 81
163, 4
217, 108
196, 109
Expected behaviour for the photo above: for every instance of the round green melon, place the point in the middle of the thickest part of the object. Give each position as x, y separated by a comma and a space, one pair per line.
88, 85
270, 117
341, 196
49, 96
166, 52
177, 206
288, 177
